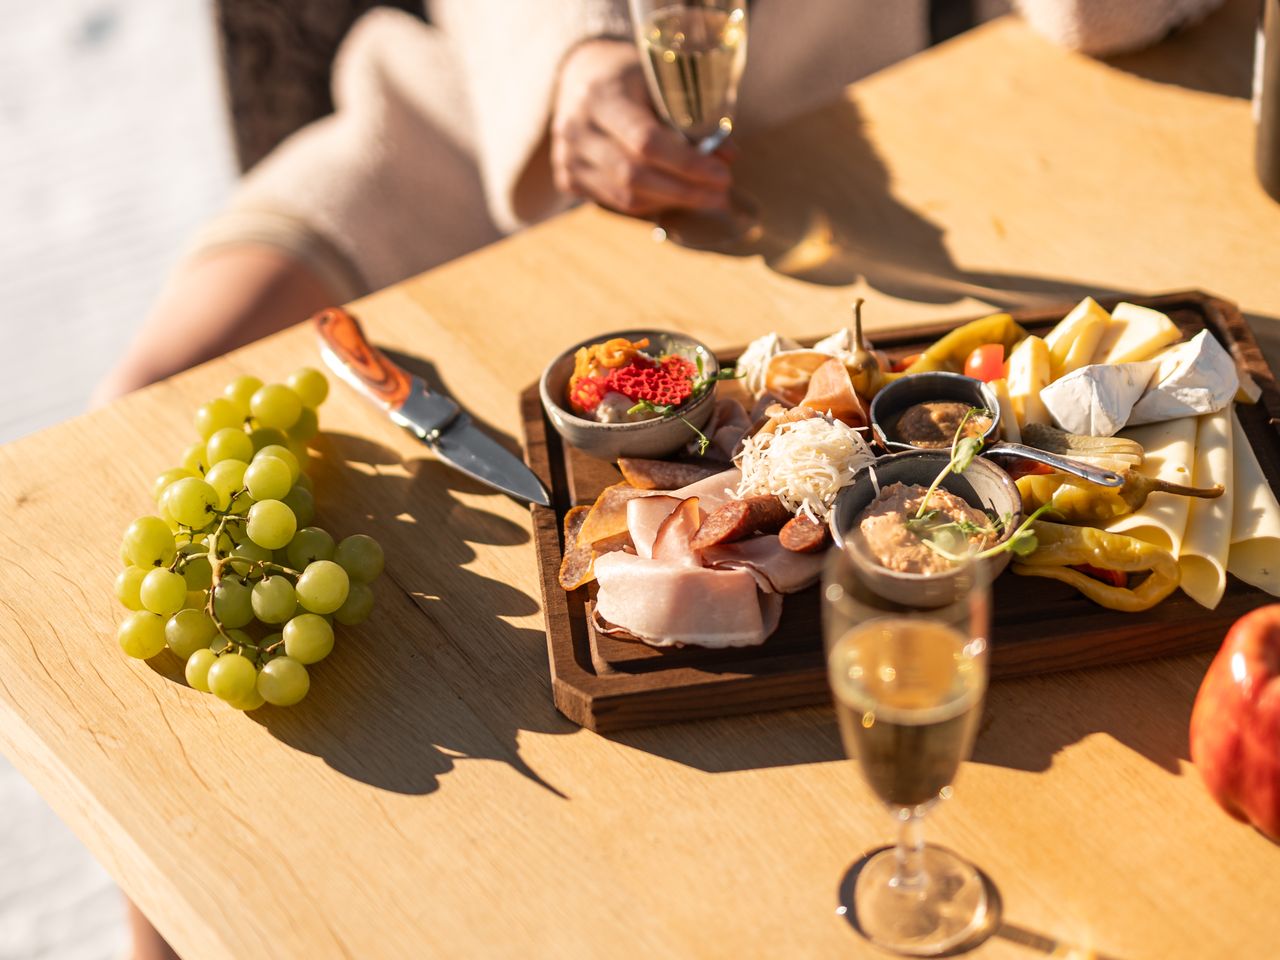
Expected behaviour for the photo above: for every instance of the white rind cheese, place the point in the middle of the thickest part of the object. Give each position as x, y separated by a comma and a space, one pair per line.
1196, 377
1095, 400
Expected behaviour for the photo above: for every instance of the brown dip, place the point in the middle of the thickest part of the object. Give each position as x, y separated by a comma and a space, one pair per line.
883, 527
933, 424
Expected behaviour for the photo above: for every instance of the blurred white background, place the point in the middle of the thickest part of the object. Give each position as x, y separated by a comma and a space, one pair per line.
114, 149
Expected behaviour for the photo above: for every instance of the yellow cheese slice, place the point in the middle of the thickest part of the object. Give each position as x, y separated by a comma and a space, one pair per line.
1203, 559
1008, 419
1255, 521
1029, 373
1169, 455
1074, 341
1135, 333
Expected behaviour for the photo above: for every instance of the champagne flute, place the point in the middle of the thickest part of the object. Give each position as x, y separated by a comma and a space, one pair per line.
909, 683
693, 52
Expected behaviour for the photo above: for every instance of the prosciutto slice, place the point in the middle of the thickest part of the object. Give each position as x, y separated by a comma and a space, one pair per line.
776, 569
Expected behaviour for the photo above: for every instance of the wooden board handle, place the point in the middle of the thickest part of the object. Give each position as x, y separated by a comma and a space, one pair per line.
340, 331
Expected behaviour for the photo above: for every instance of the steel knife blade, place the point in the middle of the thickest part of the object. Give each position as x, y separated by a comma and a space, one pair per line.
433, 417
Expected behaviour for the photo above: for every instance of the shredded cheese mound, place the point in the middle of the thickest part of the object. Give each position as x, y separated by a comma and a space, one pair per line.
804, 464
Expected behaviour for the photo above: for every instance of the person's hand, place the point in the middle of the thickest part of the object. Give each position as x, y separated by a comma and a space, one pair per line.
608, 145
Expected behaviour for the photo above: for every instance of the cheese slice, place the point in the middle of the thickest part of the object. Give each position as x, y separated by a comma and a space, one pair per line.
1255, 522
1203, 560
1029, 373
1073, 342
1169, 455
1095, 400
1008, 419
1193, 378
1135, 333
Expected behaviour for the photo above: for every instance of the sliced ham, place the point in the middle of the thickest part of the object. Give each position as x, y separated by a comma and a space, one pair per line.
667, 603
672, 543
645, 516
776, 569
713, 491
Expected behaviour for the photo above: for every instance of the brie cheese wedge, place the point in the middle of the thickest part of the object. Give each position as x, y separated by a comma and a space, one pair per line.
1096, 400
1194, 378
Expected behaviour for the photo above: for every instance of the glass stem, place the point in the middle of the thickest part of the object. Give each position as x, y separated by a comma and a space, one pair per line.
909, 852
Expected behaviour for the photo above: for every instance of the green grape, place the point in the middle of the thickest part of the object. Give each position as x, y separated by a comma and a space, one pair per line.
217, 414
304, 482
271, 639
196, 569
361, 556
232, 677
283, 681
282, 452
268, 478
252, 701
248, 550
128, 583
299, 450
308, 638
274, 600
271, 524
264, 437
223, 546
323, 586
227, 477
221, 643
275, 405
197, 670
302, 503
124, 554
232, 602
358, 605
158, 485
191, 501
196, 600
239, 391
306, 427
163, 591
149, 541
194, 458
308, 545
188, 631
141, 634
310, 385
229, 444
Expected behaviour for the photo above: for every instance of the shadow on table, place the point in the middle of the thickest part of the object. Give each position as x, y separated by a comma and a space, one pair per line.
830, 217
995, 927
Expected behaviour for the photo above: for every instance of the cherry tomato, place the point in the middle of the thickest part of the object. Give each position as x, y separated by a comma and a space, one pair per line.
986, 363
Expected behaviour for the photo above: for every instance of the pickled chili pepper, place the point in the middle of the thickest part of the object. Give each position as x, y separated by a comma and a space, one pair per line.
950, 352
1061, 547
1079, 501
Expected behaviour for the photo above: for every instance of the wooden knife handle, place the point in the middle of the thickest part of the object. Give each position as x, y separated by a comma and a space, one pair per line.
385, 381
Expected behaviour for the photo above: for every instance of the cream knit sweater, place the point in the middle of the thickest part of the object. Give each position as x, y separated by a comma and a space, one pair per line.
438, 142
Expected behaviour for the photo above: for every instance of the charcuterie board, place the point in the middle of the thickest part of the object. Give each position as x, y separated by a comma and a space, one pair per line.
605, 683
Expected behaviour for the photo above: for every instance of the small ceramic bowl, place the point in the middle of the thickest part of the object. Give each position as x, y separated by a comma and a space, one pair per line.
982, 485
897, 396
657, 437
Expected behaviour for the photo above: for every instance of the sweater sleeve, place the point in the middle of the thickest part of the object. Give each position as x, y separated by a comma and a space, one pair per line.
1105, 27
510, 53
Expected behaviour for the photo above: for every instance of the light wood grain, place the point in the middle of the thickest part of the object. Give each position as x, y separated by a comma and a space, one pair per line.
427, 800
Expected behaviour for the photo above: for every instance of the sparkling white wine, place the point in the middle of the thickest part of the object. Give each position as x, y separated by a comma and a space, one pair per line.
695, 59
908, 697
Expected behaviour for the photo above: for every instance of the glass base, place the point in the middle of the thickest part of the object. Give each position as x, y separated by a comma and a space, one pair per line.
722, 231
944, 909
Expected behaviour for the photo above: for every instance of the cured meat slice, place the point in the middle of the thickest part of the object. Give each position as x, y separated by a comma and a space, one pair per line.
831, 392
575, 565
608, 515
739, 519
668, 604
714, 491
644, 516
672, 544
665, 474
776, 569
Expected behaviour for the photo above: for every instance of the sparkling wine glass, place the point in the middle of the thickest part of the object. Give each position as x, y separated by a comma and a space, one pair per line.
693, 52
909, 682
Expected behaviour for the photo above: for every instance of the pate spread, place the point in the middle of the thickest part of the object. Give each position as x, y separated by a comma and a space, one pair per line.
883, 525
933, 424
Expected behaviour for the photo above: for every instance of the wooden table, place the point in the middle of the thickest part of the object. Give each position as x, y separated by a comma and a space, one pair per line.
427, 800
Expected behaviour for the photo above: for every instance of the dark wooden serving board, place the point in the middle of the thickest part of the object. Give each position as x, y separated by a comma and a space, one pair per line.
605, 683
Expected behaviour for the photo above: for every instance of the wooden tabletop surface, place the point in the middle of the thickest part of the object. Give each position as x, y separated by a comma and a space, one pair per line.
427, 800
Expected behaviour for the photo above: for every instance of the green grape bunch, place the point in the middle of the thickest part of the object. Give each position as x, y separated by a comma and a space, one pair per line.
229, 573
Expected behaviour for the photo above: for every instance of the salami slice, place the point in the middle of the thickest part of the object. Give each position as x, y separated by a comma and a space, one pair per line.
665, 474
802, 535
739, 519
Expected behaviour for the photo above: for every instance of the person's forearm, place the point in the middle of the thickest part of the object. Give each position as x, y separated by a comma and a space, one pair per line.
222, 300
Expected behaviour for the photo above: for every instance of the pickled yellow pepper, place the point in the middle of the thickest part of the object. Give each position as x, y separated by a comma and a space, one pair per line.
1079, 501
950, 352
1061, 547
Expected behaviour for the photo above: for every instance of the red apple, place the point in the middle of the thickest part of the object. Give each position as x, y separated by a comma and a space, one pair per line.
1235, 724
